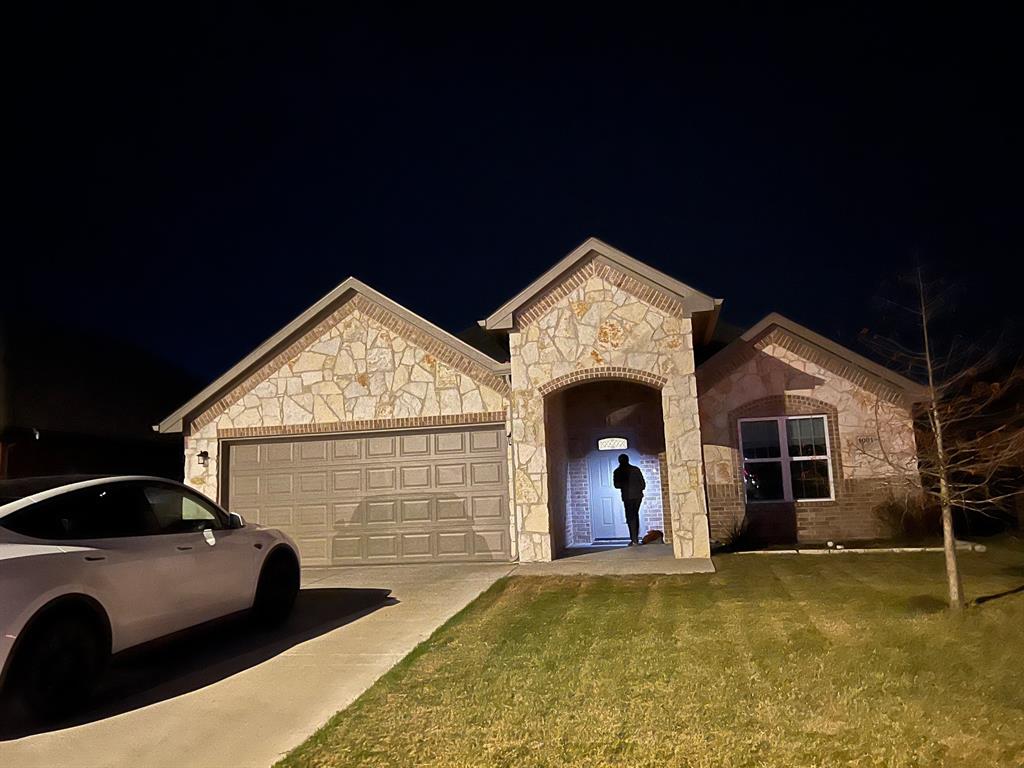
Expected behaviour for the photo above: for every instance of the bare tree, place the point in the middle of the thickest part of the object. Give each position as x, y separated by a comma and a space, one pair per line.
971, 451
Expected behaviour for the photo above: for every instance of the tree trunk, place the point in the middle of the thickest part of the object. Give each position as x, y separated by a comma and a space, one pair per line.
956, 590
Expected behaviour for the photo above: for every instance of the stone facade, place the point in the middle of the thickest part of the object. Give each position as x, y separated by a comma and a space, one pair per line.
597, 322
361, 368
357, 362
867, 420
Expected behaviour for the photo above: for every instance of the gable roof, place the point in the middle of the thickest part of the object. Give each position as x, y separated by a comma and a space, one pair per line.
345, 291
691, 299
719, 361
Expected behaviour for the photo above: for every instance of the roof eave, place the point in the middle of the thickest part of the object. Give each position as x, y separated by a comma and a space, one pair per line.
693, 300
716, 313
175, 422
913, 390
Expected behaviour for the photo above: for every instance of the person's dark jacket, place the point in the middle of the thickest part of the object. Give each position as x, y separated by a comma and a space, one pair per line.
630, 480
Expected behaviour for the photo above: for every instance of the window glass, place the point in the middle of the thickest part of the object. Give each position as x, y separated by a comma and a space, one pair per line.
99, 512
810, 479
794, 470
762, 481
760, 439
806, 437
179, 512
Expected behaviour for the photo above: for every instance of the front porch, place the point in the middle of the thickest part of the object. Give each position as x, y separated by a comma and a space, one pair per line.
649, 559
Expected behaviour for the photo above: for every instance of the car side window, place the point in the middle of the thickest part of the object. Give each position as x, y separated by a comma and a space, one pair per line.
98, 512
177, 511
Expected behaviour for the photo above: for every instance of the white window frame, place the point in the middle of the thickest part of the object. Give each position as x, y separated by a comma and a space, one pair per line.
785, 458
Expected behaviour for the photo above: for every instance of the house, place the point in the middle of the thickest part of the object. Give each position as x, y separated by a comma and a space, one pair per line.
374, 436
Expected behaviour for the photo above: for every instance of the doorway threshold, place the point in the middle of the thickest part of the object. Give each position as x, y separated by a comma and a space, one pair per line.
617, 561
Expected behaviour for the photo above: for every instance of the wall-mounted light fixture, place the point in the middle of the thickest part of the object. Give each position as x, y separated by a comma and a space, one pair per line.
203, 457
510, 438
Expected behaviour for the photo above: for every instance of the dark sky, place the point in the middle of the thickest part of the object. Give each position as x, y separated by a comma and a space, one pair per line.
189, 179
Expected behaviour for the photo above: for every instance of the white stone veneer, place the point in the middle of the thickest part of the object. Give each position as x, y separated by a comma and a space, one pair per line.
599, 325
358, 370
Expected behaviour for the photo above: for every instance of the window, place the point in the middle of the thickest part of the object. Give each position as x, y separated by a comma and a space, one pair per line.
177, 511
99, 512
612, 444
786, 459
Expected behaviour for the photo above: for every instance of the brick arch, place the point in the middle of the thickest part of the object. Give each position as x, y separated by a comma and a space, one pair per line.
603, 373
654, 453
783, 405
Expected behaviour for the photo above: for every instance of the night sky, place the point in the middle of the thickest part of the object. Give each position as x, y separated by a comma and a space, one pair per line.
190, 179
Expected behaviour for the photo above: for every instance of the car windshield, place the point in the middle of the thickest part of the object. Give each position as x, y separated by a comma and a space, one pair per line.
13, 490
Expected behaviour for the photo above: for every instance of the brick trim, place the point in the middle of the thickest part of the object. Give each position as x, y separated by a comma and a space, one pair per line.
603, 372
595, 268
366, 425
379, 314
727, 505
546, 300
831, 363
274, 364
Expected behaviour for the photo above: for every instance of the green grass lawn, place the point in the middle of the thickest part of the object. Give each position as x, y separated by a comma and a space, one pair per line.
776, 660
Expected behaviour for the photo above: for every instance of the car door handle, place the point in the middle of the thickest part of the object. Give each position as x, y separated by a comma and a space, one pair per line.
94, 558
184, 548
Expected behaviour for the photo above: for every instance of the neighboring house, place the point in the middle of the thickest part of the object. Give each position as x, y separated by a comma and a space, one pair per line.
374, 436
72, 402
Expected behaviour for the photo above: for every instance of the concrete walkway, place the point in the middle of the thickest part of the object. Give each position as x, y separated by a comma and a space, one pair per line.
617, 561
235, 697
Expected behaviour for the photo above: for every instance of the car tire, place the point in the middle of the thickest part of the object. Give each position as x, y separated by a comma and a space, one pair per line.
277, 589
60, 662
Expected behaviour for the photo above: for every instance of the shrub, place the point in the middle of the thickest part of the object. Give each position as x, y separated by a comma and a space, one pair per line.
910, 516
738, 537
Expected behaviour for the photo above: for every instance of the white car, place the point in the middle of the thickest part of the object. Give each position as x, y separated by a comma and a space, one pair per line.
92, 566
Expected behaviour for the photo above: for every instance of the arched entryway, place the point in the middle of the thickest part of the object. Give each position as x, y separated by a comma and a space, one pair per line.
587, 426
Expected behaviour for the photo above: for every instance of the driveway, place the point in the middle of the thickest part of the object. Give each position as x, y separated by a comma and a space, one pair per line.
232, 696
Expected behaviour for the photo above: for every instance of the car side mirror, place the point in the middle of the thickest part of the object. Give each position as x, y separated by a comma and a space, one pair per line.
235, 521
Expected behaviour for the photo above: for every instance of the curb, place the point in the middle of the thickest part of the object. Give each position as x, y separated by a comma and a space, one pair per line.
962, 546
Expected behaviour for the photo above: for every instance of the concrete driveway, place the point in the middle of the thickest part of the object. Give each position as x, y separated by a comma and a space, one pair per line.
231, 696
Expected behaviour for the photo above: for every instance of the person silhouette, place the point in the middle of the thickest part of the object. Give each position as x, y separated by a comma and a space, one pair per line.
630, 480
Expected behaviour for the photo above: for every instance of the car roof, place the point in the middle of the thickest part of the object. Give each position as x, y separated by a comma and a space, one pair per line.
22, 492
28, 486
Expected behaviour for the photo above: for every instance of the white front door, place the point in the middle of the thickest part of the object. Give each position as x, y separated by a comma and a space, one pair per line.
608, 516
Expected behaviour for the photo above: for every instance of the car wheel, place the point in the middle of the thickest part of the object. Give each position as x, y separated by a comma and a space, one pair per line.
277, 589
59, 664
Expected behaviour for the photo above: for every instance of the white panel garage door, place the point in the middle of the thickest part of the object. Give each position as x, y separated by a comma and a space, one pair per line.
379, 498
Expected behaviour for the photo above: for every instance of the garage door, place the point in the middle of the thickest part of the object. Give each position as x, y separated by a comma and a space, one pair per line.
379, 498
